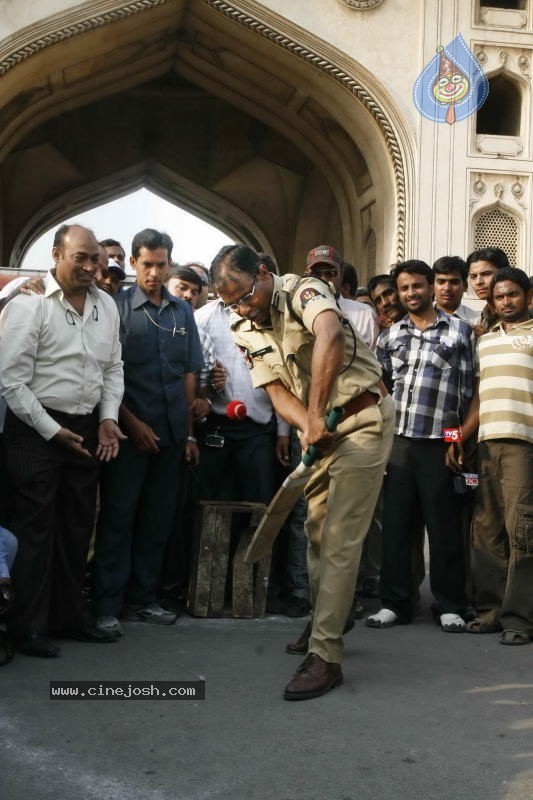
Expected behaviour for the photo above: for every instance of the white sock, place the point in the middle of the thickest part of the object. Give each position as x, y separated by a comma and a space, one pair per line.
385, 616
452, 619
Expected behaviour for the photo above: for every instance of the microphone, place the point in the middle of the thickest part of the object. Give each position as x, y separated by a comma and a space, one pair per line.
463, 482
236, 410
452, 429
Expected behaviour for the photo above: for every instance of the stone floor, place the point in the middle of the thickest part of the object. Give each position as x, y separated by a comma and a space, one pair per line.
421, 714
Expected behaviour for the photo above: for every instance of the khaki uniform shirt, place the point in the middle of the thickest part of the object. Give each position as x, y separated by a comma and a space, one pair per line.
282, 349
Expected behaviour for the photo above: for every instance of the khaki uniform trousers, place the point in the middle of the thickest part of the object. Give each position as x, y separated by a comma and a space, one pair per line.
342, 495
502, 534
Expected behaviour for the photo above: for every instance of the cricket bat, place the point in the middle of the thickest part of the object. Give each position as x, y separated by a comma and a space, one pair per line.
285, 498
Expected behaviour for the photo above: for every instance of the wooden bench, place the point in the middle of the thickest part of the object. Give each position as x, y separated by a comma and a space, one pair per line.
222, 585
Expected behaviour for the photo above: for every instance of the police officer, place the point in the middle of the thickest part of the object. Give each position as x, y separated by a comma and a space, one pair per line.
309, 359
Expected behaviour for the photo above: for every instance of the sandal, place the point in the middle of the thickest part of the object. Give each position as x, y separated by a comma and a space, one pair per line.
512, 637
479, 625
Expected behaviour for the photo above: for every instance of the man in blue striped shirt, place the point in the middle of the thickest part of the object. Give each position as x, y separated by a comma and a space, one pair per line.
428, 365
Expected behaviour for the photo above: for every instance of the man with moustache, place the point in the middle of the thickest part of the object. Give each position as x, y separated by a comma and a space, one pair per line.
309, 359
481, 265
383, 294
62, 377
502, 531
184, 282
139, 491
451, 282
428, 360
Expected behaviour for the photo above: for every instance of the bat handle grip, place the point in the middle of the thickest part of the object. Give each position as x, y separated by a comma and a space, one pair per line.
312, 452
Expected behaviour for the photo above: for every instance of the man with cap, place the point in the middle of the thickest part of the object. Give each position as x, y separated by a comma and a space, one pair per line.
115, 251
358, 314
116, 261
309, 360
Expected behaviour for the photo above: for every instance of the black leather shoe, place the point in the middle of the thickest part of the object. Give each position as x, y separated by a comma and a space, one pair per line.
6, 597
313, 678
93, 634
301, 645
37, 645
291, 607
6, 648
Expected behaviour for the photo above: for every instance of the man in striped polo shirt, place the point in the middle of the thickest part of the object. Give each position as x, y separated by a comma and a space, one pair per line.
503, 516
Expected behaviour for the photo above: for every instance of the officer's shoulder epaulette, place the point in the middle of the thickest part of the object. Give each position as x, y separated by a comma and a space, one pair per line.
290, 288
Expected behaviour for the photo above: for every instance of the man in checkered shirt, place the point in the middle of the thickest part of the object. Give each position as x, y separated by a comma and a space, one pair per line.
428, 365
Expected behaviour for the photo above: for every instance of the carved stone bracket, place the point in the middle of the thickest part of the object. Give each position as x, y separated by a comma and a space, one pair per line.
523, 65
501, 186
517, 190
479, 186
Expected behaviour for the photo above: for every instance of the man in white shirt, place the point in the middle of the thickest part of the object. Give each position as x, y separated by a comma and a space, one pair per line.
62, 378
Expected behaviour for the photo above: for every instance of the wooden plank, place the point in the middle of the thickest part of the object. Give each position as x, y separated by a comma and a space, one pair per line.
243, 578
262, 575
202, 560
220, 556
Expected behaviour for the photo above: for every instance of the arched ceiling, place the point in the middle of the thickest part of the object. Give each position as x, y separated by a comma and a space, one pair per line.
192, 103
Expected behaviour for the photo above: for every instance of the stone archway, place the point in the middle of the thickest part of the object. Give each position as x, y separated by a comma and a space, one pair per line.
222, 107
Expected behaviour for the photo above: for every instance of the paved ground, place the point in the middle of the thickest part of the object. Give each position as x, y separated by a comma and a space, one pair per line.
421, 714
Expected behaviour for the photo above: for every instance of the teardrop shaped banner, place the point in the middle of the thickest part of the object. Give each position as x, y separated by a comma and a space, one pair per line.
452, 86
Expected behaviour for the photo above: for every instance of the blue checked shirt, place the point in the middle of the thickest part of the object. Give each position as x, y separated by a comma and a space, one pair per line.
429, 373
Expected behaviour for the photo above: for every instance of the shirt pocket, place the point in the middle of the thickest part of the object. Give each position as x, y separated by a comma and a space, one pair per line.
443, 356
177, 353
101, 350
402, 357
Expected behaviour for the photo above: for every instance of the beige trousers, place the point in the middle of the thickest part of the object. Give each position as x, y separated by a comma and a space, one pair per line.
342, 495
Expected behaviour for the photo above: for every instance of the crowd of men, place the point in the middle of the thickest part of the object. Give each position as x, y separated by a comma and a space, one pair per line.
120, 392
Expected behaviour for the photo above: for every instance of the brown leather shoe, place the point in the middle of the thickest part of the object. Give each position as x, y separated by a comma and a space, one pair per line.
301, 645
313, 678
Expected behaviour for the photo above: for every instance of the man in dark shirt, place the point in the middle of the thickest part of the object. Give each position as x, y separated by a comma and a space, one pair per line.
161, 352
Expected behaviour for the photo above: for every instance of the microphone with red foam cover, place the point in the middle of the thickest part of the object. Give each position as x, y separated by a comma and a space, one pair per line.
236, 410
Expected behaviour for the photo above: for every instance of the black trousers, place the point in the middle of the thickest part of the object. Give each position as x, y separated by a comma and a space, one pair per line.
418, 480
244, 468
53, 509
138, 494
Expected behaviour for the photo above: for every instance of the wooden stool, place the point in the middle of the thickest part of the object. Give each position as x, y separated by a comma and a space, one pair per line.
218, 563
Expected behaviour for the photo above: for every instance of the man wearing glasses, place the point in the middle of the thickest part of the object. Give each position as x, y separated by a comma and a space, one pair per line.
240, 452
62, 377
308, 361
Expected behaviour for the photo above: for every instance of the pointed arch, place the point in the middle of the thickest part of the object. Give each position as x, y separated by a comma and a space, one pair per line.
354, 139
